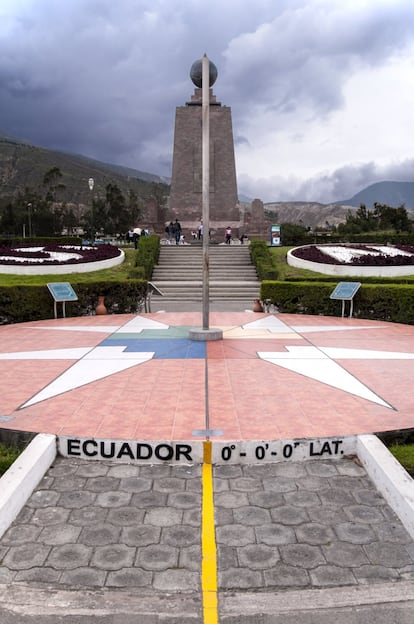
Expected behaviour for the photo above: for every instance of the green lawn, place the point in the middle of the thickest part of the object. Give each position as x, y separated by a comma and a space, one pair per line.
405, 455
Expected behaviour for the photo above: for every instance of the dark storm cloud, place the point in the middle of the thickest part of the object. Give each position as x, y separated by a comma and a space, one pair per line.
103, 78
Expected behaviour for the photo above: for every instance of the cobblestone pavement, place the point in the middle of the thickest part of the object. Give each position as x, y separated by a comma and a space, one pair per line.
279, 527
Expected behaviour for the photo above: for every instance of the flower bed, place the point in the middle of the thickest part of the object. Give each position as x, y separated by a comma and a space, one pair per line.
356, 260
54, 259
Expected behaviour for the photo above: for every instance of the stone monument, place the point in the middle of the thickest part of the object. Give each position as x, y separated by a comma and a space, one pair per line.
185, 200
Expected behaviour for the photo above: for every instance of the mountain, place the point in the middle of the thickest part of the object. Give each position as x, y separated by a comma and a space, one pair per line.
24, 165
308, 214
389, 193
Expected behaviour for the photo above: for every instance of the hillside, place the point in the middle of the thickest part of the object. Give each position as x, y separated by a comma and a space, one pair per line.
24, 165
308, 214
389, 193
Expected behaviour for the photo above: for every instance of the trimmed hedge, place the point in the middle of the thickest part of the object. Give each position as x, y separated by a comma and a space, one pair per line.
147, 254
263, 260
392, 302
35, 303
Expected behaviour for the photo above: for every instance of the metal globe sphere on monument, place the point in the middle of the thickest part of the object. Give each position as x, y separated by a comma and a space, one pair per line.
196, 72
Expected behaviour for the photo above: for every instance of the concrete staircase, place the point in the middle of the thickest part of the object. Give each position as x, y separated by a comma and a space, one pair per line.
233, 278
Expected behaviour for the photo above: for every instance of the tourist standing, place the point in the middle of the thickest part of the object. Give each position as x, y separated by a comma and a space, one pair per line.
228, 235
177, 232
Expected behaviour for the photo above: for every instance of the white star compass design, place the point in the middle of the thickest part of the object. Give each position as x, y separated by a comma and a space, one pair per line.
139, 340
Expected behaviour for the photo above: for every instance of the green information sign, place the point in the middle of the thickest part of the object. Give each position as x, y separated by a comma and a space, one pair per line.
61, 292
346, 291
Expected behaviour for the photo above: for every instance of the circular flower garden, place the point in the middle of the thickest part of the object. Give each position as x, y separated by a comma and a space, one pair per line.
354, 260
55, 259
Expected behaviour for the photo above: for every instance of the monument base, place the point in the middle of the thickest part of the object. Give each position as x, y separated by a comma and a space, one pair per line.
202, 335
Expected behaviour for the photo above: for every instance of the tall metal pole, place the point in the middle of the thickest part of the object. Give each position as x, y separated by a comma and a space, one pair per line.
206, 185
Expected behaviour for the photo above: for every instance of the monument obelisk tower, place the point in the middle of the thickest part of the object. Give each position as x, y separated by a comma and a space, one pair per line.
186, 183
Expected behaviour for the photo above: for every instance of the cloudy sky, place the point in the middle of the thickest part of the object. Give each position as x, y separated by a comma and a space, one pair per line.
321, 91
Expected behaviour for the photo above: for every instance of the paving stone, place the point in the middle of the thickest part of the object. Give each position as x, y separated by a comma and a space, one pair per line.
62, 468
6, 576
169, 484
135, 484
311, 483
163, 516
140, 535
67, 483
190, 558
113, 557
125, 516
192, 517
302, 555
83, 577
240, 578
229, 471
184, 500
286, 576
251, 516
294, 470
149, 499
257, 556
321, 468
345, 554
388, 554
223, 516
368, 497
91, 469
226, 557
326, 515
102, 484
157, 557
49, 516
331, 576
350, 468
375, 574
155, 471
74, 500
100, 535
27, 513
129, 577
245, 484
177, 580
394, 532
26, 556
355, 533
349, 483
231, 500
21, 534
260, 471
336, 497
60, 534
180, 535
87, 516
289, 515
122, 471
113, 499
363, 513
235, 535
69, 556
221, 485
281, 484
39, 575
314, 533
265, 499
302, 498
193, 485
189, 473
407, 572
275, 534
43, 498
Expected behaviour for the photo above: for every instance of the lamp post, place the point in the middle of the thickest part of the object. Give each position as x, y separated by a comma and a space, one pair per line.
208, 76
29, 218
91, 183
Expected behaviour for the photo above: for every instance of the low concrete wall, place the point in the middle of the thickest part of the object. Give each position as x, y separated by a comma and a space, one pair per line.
62, 269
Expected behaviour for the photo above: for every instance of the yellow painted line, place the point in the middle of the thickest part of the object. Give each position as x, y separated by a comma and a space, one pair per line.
208, 542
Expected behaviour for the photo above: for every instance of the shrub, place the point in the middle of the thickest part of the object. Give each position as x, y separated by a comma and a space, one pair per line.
263, 260
147, 254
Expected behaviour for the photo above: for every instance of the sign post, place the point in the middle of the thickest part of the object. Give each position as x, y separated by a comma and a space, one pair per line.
61, 292
275, 235
346, 291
